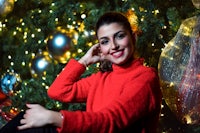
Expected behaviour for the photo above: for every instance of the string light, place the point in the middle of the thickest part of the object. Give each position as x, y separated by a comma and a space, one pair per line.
52, 4
79, 50
155, 12
164, 27
9, 57
33, 35
86, 33
23, 63
40, 11
14, 33
12, 63
83, 16
39, 30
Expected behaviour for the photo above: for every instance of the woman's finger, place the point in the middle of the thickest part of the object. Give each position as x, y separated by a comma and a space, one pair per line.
25, 126
22, 121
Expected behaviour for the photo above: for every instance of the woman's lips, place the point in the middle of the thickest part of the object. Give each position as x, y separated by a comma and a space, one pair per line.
117, 54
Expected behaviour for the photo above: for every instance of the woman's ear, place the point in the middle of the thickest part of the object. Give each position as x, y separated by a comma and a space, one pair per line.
134, 36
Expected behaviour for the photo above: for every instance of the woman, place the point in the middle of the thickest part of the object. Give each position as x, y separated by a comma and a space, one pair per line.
123, 97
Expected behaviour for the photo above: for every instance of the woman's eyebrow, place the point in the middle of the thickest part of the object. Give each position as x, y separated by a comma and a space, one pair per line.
104, 37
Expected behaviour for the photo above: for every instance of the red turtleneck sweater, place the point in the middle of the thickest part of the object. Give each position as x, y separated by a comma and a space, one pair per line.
128, 99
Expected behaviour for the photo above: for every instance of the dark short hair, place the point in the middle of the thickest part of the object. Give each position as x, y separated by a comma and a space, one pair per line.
112, 17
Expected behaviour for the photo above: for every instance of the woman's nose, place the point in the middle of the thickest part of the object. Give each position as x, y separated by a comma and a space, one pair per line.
114, 45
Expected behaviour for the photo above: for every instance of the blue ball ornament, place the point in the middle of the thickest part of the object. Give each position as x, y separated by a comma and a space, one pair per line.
40, 64
9, 82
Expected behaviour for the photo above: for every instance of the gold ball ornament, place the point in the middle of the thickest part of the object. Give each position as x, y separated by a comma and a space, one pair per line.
6, 6
58, 46
39, 64
179, 71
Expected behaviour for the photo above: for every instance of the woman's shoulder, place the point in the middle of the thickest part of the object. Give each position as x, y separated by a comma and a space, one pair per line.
143, 67
148, 70
143, 70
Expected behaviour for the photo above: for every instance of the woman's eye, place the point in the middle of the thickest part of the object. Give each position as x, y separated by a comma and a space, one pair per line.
120, 36
103, 42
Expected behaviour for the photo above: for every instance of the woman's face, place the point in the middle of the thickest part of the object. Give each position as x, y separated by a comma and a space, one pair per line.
116, 43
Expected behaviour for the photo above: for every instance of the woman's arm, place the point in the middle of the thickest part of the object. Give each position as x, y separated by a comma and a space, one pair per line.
68, 87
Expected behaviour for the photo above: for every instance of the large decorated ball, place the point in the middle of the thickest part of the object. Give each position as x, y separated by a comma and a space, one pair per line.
6, 6
9, 82
39, 64
179, 71
196, 3
58, 46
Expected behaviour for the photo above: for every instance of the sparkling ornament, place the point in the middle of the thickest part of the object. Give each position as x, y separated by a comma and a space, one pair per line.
179, 71
133, 19
8, 115
196, 3
39, 64
6, 6
58, 46
9, 83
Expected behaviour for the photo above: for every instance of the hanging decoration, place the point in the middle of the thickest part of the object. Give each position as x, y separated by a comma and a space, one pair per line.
6, 6
196, 3
7, 116
9, 82
58, 46
133, 19
179, 71
39, 64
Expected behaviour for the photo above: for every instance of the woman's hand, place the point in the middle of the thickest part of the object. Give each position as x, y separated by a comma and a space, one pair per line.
92, 56
38, 116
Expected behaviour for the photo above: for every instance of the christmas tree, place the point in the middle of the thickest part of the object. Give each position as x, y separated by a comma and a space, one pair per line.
38, 37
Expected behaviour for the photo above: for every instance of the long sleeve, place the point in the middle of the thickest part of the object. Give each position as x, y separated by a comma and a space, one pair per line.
64, 88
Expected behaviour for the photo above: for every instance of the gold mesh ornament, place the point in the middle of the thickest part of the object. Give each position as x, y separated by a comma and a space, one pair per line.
179, 71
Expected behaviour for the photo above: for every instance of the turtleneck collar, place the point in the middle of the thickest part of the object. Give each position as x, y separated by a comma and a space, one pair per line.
130, 65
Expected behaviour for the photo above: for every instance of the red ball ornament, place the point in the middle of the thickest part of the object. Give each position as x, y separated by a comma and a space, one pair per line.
2, 96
